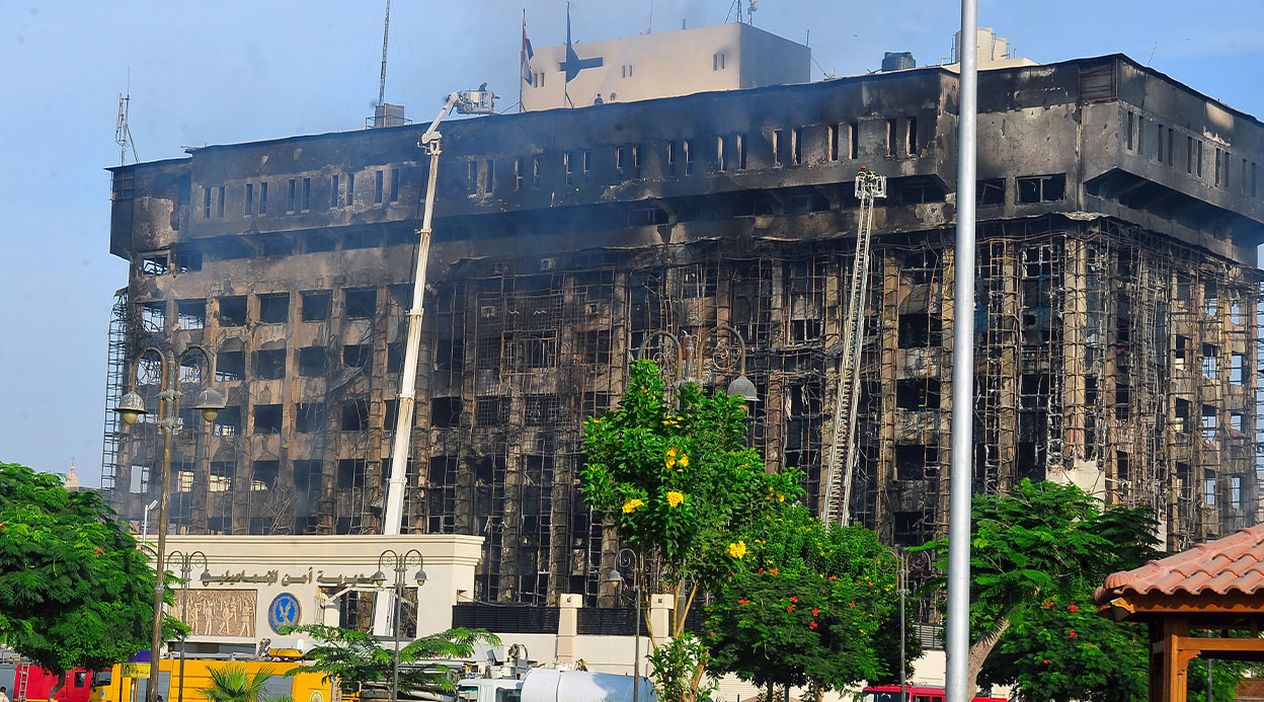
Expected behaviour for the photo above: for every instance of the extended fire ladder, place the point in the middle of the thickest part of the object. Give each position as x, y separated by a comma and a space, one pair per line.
869, 186
23, 682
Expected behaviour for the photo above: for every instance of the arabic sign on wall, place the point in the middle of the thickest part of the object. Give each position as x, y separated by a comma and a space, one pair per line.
222, 613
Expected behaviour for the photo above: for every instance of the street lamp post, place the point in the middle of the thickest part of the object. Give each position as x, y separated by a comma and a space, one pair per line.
184, 561
130, 408
902, 589
686, 361
399, 565
628, 558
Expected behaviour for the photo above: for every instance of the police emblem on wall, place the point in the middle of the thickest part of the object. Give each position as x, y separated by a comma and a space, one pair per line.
284, 611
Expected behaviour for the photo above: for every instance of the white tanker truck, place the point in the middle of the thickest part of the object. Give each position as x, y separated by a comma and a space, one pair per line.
555, 685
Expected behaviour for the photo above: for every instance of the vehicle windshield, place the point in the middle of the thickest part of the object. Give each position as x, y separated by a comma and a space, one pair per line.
881, 697
467, 692
508, 695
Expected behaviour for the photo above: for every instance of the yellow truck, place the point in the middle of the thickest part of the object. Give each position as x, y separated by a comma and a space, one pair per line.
127, 682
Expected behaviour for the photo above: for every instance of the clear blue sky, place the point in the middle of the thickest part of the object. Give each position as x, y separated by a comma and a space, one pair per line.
231, 70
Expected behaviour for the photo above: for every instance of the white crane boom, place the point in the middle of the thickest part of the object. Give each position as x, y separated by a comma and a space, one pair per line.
481, 101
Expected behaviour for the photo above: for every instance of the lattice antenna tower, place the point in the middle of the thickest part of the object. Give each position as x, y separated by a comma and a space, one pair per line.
122, 132
386, 37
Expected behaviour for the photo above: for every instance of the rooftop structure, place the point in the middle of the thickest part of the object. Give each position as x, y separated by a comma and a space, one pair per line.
668, 64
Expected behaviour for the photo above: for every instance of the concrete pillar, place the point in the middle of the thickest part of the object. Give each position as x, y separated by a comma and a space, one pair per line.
661, 607
568, 626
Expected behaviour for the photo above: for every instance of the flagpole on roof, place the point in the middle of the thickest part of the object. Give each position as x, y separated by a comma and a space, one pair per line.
521, 78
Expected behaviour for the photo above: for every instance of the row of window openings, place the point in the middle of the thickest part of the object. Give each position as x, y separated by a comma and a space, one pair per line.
1236, 495
273, 308
730, 154
1210, 361
354, 415
1165, 142
299, 194
307, 476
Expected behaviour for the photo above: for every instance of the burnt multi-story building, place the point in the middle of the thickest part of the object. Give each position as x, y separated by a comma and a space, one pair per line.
1117, 337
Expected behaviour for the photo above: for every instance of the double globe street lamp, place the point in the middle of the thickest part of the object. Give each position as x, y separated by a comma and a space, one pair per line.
399, 564
681, 356
130, 409
628, 558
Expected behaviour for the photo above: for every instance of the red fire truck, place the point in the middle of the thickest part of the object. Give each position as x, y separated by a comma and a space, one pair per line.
913, 693
27, 682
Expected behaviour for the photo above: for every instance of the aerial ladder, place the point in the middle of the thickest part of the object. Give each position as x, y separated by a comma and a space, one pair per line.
466, 102
869, 187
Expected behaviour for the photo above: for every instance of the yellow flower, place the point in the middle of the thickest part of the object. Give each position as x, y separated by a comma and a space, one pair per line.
631, 505
781, 497
684, 460
670, 459
674, 498
738, 550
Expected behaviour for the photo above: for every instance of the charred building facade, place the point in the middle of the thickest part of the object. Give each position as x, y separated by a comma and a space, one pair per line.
1117, 334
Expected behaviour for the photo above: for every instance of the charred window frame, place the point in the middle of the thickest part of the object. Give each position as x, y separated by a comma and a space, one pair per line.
232, 311
718, 61
535, 172
445, 412
831, 142
1130, 123
153, 316
920, 330
155, 263
991, 191
187, 260
687, 149
249, 206
489, 186
351, 189
520, 168
358, 356
307, 195
568, 167
312, 361
917, 393
230, 366
395, 182
853, 140
379, 180
274, 308
777, 139
796, 146
890, 143
206, 203
354, 416
267, 419
263, 198
672, 158
315, 305
219, 206
1158, 139
1044, 188
910, 136
270, 364
359, 303
292, 197
191, 314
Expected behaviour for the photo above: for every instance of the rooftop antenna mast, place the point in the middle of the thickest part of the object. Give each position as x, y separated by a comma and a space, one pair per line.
386, 37
122, 132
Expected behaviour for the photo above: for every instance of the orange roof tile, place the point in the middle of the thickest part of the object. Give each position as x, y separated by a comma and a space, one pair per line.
1233, 564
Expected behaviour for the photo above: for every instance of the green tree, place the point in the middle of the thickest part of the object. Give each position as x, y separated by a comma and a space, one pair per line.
354, 658
231, 683
1050, 544
678, 480
74, 588
803, 604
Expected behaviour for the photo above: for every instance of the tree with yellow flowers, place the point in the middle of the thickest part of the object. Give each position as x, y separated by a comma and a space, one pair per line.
678, 479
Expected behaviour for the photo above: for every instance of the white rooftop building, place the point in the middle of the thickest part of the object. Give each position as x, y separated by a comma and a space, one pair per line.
646, 66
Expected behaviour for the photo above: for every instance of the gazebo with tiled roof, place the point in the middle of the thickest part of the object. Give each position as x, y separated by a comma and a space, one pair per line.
1215, 587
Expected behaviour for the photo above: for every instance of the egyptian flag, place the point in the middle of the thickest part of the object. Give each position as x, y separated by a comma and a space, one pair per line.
572, 66
527, 53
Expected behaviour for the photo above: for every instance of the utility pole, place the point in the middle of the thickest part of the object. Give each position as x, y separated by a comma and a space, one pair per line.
961, 476
386, 38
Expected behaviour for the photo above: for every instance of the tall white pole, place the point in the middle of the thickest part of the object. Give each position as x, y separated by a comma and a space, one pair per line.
960, 484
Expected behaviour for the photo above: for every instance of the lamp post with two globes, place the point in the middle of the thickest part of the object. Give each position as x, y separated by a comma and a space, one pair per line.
130, 408
399, 563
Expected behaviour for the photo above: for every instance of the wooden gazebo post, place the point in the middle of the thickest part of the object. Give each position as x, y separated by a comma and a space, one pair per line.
1215, 587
